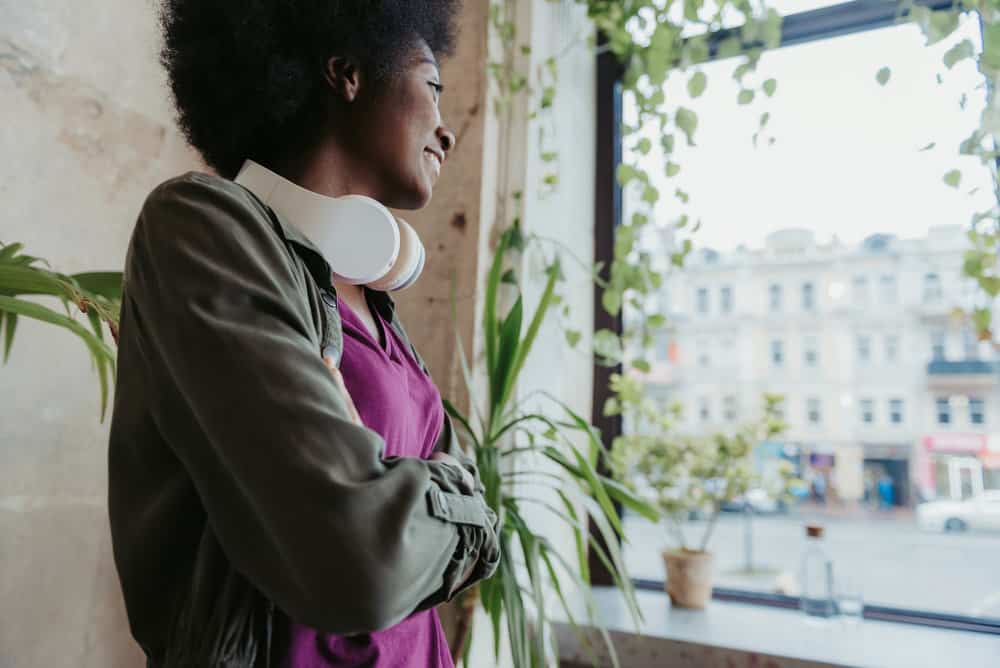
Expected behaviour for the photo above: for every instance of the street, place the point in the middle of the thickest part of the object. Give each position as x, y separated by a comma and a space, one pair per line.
889, 558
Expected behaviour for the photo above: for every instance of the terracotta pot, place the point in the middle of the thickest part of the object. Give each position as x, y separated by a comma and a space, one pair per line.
689, 577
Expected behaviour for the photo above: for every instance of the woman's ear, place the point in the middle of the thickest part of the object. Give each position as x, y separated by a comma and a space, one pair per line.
343, 75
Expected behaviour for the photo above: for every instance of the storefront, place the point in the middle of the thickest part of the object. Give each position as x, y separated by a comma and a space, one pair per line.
957, 465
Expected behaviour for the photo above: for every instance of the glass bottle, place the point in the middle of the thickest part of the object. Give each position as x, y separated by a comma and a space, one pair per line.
817, 576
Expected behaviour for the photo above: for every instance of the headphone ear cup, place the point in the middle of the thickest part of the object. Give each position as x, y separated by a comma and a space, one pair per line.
409, 262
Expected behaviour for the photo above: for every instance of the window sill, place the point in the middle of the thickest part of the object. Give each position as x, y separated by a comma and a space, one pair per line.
737, 634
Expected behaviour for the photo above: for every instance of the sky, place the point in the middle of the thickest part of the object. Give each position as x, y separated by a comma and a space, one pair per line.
846, 158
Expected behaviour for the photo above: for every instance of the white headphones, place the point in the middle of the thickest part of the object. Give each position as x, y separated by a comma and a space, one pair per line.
363, 242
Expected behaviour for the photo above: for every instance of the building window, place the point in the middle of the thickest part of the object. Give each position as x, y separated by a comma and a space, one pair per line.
777, 353
808, 297
813, 412
887, 288
726, 299
943, 410
775, 296
937, 344
977, 411
896, 411
970, 344
932, 288
892, 348
701, 300
810, 352
859, 288
704, 409
867, 407
864, 347
729, 408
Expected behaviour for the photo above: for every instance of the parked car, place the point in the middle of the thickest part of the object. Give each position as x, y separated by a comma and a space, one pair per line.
761, 502
978, 512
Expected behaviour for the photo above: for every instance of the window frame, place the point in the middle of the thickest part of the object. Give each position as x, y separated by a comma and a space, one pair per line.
811, 26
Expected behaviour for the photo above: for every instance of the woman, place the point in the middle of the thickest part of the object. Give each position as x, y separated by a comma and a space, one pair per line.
259, 517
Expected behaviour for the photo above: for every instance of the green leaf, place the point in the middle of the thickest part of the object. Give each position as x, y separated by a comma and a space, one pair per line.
667, 143
107, 284
687, 121
641, 365
572, 337
672, 169
9, 320
960, 51
953, 178
644, 146
769, 87
941, 24
745, 96
536, 322
490, 325
9, 251
509, 277
549, 156
624, 496
929, 146
697, 83
501, 374
883, 76
626, 173
729, 47
990, 56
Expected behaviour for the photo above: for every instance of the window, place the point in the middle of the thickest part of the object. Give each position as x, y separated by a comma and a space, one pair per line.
891, 349
810, 352
701, 300
808, 297
829, 104
726, 299
813, 411
943, 410
932, 288
887, 289
704, 409
977, 411
777, 353
896, 411
729, 408
864, 348
938, 344
859, 290
775, 297
970, 344
867, 408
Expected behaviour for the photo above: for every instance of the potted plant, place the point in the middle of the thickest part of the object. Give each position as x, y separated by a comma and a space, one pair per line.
685, 475
501, 431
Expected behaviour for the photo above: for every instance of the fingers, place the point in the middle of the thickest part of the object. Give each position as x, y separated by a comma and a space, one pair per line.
338, 378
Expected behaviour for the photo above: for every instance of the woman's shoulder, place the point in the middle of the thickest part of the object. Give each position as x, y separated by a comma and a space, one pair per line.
202, 189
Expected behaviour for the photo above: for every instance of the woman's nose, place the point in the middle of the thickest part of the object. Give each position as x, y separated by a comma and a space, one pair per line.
447, 139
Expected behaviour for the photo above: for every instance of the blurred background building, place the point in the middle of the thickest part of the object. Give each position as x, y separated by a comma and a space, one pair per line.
889, 396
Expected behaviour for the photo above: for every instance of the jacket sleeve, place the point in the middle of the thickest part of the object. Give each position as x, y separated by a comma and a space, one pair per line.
297, 494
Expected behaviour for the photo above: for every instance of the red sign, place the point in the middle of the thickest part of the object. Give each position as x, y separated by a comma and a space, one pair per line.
958, 442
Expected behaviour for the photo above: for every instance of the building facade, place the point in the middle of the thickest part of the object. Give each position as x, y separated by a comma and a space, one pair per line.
883, 379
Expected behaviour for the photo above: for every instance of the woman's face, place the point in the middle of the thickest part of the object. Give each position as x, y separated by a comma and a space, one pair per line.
402, 138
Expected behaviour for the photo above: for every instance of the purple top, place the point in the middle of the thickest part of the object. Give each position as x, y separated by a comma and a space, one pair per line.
396, 399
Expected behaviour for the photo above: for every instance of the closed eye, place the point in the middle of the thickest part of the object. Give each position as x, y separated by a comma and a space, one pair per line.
438, 88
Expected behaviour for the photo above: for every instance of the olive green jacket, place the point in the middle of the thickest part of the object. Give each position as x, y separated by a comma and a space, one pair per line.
239, 487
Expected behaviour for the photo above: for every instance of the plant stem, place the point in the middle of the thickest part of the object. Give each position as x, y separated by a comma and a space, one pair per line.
711, 526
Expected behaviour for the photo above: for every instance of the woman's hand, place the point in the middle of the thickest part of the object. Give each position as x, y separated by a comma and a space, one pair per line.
339, 379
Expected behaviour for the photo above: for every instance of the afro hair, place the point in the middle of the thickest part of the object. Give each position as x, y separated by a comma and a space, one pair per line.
247, 75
